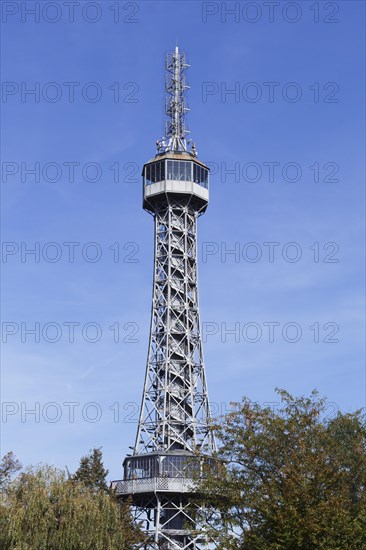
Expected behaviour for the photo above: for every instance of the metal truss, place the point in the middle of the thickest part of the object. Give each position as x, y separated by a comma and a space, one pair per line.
173, 523
175, 410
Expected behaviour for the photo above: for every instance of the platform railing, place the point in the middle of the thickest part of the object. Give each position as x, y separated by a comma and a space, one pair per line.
152, 485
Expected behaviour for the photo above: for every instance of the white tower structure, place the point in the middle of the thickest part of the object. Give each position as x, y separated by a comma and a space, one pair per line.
174, 435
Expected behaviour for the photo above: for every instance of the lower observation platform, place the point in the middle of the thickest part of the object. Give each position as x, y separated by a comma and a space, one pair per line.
153, 485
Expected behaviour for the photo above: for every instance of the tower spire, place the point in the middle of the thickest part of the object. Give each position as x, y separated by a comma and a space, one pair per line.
175, 106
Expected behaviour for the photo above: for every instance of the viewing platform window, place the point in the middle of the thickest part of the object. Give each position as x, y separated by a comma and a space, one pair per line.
155, 172
179, 170
163, 466
176, 170
141, 468
200, 175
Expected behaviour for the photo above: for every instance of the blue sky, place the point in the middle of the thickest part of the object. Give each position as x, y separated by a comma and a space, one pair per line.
314, 119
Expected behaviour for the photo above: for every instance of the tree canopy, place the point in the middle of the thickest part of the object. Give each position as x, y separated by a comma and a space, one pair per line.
43, 508
289, 478
91, 471
9, 466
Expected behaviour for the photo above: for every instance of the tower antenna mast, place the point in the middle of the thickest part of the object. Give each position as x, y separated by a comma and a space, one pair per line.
175, 139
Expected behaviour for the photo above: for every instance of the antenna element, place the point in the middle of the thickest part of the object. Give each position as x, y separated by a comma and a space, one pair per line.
175, 106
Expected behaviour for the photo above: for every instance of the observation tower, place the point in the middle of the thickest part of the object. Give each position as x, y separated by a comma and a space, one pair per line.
174, 436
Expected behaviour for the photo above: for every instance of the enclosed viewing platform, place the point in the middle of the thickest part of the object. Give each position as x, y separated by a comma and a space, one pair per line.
177, 174
168, 472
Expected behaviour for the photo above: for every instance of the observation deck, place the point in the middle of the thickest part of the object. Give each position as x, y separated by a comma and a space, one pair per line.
176, 174
174, 472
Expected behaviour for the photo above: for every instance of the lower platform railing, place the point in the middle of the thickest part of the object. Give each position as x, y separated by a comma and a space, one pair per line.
152, 485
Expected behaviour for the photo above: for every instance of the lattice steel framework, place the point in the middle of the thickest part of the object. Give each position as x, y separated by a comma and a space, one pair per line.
175, 407
174, 435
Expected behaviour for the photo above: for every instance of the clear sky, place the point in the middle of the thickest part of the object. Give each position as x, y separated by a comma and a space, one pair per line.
286, 150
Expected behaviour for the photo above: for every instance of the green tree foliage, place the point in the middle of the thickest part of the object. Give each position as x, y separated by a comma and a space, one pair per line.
92, 472
43, 509
9, 466
289, 478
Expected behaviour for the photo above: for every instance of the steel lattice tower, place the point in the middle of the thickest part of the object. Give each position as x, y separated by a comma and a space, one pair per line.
174, 436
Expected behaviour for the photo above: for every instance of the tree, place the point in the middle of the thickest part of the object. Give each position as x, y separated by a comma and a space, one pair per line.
92, 472
9, 466
44, 509
289, 479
